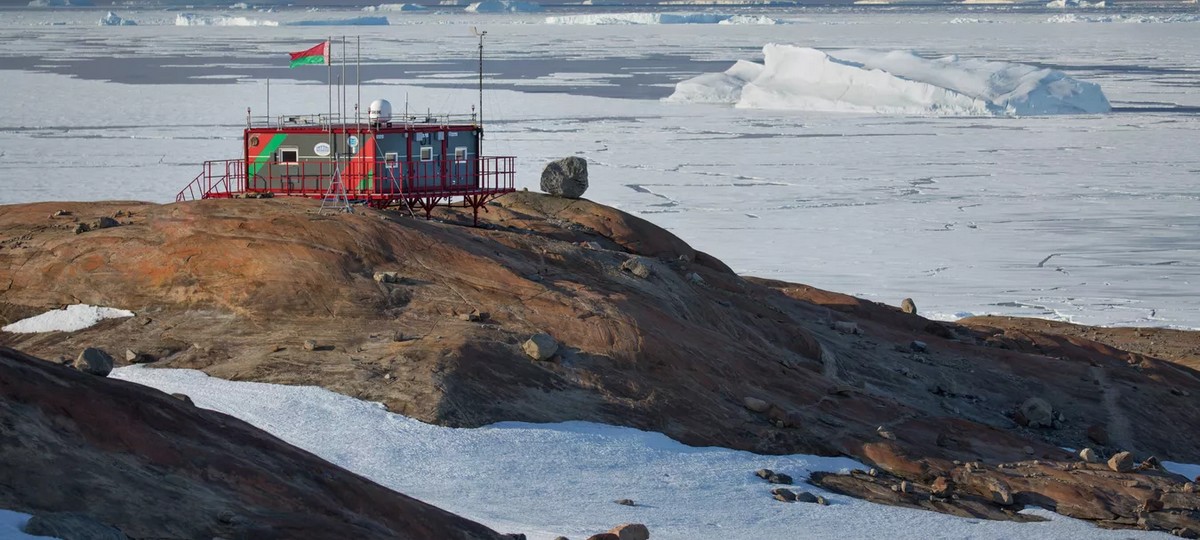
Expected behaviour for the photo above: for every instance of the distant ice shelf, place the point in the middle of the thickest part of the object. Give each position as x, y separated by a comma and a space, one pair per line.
503, 6
896, 82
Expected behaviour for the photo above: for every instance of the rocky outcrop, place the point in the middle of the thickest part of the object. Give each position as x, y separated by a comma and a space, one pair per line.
677, 351
92, 457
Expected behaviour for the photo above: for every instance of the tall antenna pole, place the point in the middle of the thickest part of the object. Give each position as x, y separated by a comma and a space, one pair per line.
329, 85
358, 77
479, 149
268, 101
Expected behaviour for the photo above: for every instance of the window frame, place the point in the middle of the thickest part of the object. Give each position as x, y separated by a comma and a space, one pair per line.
465, 153
284, 149
426, 153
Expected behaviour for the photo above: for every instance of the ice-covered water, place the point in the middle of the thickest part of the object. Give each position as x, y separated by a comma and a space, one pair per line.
1091, 218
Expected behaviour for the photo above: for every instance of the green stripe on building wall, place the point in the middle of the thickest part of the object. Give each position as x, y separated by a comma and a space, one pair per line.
267, 152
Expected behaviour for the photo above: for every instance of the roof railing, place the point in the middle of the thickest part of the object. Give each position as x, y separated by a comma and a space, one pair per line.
327, 121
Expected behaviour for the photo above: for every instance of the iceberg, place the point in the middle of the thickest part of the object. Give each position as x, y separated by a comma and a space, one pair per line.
1075, 4
394, 7
192, 19
503, 6
896, 82
111, 19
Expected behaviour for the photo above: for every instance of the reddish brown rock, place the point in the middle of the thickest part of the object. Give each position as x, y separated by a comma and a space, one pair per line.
1121, 462
631, 531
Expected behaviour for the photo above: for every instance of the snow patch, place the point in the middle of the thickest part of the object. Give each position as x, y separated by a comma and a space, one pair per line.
896, 82
111, 19
74, 317
12, 525
503, 6
1191, 471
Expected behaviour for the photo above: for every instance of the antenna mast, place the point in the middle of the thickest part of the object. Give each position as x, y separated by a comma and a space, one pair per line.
479, 33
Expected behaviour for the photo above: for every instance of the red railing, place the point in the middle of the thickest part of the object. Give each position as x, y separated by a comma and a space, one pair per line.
218, 179
361, 180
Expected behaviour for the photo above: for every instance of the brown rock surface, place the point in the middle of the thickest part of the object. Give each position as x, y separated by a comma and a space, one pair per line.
155, 467
231, 288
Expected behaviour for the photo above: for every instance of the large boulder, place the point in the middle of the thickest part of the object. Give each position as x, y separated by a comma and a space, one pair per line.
540, 347
1037, 413
566, 177
94, 361
631, 531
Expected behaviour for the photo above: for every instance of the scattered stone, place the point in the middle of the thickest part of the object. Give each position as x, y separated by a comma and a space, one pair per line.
1189, 487
941, 487
846, 327
908, 306
468, 317
806, 497
561, 538
783, 495
695, 279
567, 177
780, 478
625, 502
764, 473
1121, 462
1180, 392
902, 487
94, 361
1185, 532
540, 347
1028, 450
631, 531
81, 228
1097, 434
71, 526
604, 536
1037, 413
637, 266
822, 501
873, 472
1000, 491
1151, 463
103, 223
60, 213
755, 404
184, 398
885, 433
387, 277
1088, 455
310, 345
918, 346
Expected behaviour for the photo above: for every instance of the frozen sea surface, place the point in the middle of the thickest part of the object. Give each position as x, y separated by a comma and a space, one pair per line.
1088, 218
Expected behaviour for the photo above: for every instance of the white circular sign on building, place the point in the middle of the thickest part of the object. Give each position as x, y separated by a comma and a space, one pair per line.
321, 149
352, 141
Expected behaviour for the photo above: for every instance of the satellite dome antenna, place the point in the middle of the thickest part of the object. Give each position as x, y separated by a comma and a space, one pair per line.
480, 33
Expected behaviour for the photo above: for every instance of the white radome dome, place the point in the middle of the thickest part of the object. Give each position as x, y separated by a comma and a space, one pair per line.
379, 111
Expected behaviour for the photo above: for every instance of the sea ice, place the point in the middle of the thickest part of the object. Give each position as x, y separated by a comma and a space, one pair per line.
355, 21
395, 7
651, 18
72, 318
897, 82
194, 19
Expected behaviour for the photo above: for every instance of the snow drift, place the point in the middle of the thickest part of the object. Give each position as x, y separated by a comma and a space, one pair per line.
503, 6
69, 319
658, 18
897, 82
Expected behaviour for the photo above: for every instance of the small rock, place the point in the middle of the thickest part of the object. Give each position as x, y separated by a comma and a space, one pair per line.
310, 345
1121, 462
903, 487
1000, 491
908, 306
1150, 505
468, 317
637, 266
94, 361
780, 478
387, 376
764, 473
846, 327
514, 536
71, 526
104, 223
941, 487
783, 495
695, 279
885, 433
1089, 455
873, 472
184, 398
60, 213
625, 502
822, 501
540, 347
1028, 450
1185, 532
561, 538
81, 228
387, 277
130, 355
1036, 413
1189, 487
806, 497
755, 404
631, 531
918, 346
1151, 463
604, 536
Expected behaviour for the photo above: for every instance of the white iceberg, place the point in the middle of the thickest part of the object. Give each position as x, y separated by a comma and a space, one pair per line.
70, 319
749, 19
193, 19
897, 82
111, 19
503, 6
394, 7
1074, 4
60, 3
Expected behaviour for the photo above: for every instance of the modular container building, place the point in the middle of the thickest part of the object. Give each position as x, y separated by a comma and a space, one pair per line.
419, 162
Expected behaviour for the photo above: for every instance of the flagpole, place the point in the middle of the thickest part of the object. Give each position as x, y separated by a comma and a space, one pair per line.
329, 86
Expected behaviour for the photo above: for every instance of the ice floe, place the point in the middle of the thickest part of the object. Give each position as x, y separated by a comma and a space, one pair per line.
896, 82
659, 18
503, 6
395, 7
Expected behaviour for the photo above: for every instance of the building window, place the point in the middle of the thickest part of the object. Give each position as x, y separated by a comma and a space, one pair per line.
460, 153
289, 155
426, 153
391, 158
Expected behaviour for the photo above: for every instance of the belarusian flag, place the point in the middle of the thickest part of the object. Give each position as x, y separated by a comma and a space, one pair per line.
316, 55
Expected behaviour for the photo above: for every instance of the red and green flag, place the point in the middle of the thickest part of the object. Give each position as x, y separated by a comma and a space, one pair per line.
316, 55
